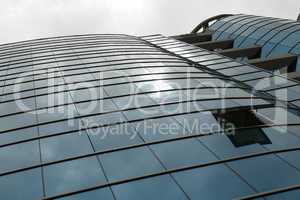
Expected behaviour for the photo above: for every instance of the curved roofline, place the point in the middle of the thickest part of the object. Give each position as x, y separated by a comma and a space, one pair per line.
63, 36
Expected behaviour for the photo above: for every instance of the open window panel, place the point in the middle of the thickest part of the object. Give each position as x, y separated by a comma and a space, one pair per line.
233, 120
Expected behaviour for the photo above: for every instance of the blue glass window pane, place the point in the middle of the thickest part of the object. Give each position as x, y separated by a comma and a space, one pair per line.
182, 153
72, 175
18, 135
21, 105
212, 182
238, 70
88, 94
256, 171
129, 163
158, 85
144, 113
224, 148
64, 146
123, 89
197, 123
134, 101
270, 83
160, 129
22, 185
114, 137
56, 113
292, 157
51, 100
280, 138
59, 127
94, 107
19, 156
160, 187
252, 76
103, 119
17, 121
278, 116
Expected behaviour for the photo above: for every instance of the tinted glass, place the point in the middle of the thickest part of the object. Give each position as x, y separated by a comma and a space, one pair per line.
126, 164
161, 187
72, 175
22, 185
205, 182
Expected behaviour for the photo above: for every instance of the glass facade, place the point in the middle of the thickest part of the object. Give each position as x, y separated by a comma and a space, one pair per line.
122, 117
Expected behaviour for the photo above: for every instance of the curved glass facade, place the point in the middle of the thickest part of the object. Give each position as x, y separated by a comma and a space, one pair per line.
276, 36
122, 117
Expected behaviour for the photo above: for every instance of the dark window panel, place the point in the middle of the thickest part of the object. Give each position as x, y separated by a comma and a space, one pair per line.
160, 129
160, 187
59, 127
126, 164
19, 156
203, 182
18, 135
17, 121
256, 171
65, 146
182, 153
22, 185
114, 137
72, 175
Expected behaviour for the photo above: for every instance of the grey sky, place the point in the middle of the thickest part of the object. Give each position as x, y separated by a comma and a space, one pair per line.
29, 19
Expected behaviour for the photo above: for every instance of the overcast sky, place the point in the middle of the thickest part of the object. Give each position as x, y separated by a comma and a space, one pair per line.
29, 19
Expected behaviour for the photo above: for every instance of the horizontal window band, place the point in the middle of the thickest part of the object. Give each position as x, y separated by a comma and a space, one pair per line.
16, 53
102, 62
149, 118
236, 158
66, 37
76, 48
125, 95
92, 55
58, 69
120, 83
136, 108
50, 43
84, 51
61, 69
282, 87
140, 145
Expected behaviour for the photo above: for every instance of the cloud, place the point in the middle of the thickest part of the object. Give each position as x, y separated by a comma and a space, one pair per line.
28, 19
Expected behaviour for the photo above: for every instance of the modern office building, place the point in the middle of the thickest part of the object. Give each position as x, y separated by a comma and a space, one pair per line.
213, 114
